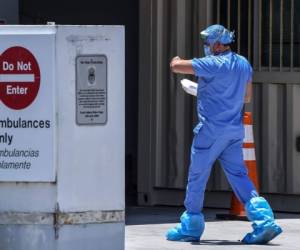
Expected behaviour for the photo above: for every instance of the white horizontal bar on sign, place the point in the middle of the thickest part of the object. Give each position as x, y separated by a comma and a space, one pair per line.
249, 154
11, 78
248, 134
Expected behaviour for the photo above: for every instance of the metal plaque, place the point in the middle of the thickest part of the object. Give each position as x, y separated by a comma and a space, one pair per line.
91, 89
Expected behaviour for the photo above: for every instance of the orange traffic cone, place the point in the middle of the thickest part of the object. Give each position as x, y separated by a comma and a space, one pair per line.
237, 211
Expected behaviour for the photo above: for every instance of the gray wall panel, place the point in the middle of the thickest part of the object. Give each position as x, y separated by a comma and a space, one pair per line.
293, 131
167, 114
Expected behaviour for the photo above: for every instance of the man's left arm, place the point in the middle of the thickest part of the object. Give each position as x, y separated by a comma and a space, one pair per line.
181, 66
248, 95
249, 90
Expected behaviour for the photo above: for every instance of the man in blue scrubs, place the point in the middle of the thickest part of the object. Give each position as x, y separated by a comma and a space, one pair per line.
224, 85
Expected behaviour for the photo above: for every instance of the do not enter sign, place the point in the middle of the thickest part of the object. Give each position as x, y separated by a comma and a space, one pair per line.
27, 104
19, 78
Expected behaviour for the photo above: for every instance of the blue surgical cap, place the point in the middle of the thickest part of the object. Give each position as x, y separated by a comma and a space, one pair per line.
217, 33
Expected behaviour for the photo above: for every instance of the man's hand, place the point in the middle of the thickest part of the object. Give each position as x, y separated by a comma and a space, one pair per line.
179, 65
174, 59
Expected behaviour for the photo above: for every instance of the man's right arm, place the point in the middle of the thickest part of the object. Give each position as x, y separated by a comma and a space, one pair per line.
181, 66
200, 67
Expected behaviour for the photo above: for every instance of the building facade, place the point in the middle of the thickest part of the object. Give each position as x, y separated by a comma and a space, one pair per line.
160, 116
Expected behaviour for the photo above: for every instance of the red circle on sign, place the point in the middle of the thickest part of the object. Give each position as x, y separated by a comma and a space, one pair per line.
19, 78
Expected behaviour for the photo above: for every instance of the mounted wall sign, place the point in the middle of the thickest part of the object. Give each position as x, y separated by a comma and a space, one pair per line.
91, 90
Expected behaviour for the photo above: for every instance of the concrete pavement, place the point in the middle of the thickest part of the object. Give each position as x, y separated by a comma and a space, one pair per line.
146, 227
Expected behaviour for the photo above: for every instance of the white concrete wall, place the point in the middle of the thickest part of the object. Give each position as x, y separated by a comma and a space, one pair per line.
89, 237
90, 158
89, 163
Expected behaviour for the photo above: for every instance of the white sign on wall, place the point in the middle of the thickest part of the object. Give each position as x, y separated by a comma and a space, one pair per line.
27, 107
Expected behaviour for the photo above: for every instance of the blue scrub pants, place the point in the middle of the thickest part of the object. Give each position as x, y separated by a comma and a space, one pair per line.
205, 150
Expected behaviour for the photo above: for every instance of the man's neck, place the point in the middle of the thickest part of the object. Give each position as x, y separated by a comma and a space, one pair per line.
226, 49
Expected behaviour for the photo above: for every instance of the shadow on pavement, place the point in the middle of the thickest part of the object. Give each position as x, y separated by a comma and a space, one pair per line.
217, 242
225, 243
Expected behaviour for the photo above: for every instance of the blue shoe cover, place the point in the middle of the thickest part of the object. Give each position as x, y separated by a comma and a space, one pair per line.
175, 234
190, 228
265, 229
262, 236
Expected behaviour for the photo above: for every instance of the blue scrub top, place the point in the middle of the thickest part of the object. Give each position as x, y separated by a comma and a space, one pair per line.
222, 81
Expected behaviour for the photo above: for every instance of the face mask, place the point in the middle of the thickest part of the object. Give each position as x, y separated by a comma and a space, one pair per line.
207, 51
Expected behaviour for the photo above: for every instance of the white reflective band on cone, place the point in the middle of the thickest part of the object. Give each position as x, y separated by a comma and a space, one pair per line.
248, 134
249, 154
